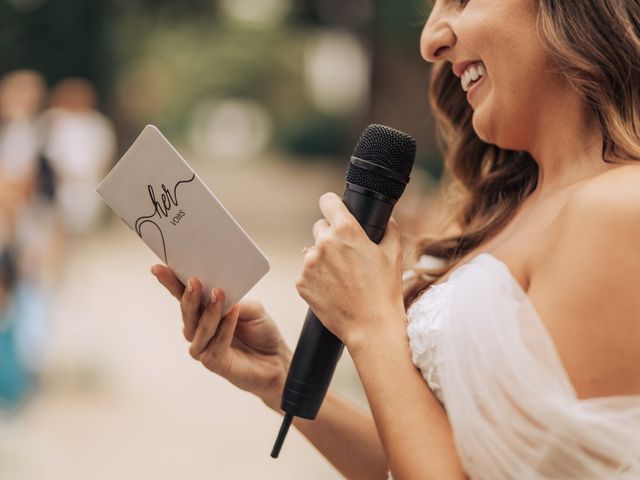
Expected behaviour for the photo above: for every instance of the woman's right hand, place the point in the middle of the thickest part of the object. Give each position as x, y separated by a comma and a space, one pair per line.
244, 347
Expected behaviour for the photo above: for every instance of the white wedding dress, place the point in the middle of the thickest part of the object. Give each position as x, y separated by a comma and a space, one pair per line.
487, 356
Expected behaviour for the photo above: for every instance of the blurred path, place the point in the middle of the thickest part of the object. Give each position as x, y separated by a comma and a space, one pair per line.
123, 399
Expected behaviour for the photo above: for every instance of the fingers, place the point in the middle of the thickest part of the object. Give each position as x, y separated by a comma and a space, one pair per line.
222, 341
321, 227
188, 297
334, 210
208, 323
225, 331
190, 307
210, 336
167, 278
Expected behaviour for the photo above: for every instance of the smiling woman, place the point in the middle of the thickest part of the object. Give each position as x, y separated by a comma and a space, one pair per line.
522, 319
545, 64
501, 330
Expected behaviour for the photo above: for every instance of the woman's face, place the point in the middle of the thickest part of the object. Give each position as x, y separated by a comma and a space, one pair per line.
509, 99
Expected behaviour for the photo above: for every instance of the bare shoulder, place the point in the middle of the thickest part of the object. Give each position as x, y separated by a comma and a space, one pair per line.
615, 190
586, 289
603, 217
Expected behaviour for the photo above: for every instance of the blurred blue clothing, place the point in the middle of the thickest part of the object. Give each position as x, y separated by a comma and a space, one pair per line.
21, 339
15, 380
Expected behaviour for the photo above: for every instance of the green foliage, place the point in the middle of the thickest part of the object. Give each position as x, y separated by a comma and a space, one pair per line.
400, 21
201, 60
157, 60
170, 9
316, 134
58, 38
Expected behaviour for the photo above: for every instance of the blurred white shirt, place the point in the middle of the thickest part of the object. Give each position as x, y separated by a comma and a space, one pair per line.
19, 144
80, 147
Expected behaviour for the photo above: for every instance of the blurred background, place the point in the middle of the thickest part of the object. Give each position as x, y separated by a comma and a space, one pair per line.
260, 96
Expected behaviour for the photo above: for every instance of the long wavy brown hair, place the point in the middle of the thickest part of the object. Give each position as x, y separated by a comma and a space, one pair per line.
595, 44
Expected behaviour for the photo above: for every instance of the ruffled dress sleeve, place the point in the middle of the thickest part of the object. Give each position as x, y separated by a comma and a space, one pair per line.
513, 410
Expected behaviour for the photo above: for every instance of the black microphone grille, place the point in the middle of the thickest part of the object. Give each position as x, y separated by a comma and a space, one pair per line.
388, 148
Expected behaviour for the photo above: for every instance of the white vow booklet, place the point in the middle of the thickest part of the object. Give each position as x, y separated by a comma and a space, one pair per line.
161, 198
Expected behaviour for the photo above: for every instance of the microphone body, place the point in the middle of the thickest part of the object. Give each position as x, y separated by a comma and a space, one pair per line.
377, 175
318, 350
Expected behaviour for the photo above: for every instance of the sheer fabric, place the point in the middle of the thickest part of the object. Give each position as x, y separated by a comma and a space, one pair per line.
486, 354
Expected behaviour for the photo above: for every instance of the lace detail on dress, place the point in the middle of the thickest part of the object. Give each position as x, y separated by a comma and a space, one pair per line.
423, 329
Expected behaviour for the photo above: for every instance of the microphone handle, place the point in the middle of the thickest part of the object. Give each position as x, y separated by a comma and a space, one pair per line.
319, 350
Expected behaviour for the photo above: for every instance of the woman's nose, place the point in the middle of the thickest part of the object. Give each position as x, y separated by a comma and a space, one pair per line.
436, 40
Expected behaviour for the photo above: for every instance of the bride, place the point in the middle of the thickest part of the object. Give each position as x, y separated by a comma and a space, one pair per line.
523, 318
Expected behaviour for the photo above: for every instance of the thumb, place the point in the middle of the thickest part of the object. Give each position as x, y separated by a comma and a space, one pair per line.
250, 310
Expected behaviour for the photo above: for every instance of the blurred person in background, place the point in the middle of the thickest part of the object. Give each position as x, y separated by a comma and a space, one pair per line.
524, 328
80, 145
22, 94
27, 236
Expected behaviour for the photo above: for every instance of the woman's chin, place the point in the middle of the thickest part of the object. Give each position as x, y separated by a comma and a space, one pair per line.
485, 123
480, 126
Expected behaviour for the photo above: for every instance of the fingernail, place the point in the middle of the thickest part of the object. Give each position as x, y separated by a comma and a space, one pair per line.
212, 298
189, 286
153, 270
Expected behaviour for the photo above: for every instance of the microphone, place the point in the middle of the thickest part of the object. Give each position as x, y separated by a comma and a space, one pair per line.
377, 175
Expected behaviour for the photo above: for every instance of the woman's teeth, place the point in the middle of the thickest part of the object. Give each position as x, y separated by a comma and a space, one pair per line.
471, 75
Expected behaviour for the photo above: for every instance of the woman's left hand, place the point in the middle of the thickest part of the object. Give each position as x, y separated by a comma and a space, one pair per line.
352, 285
